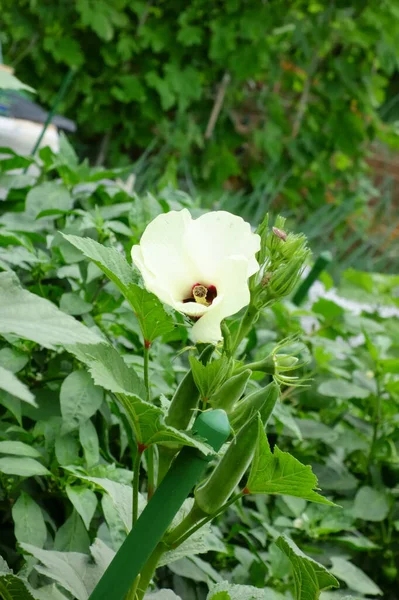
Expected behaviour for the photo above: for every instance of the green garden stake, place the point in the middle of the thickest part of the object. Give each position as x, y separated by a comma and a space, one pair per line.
61, 93
324, 259
157, 516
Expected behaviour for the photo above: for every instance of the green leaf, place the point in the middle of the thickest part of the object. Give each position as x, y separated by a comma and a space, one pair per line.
66, 449
371, 504
162, 595
84, 501
11, 384
12, 587
73, 304
89, 439
229, 591
310, 577
354, 577
109, 370
339, 388
108, 259
49, 592
79, 399
18, 449
24, 467
74, 571
13, 360
9, 82
29, 525
46, 196
120, 496
153, 319
72, 536
34, 318
209, 377
281, 473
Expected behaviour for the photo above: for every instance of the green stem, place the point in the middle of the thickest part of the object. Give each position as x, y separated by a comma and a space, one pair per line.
245, 327
148, 571
132, 593
136, 481
150, 473
376, 424
191, 522
146, 370
265, 365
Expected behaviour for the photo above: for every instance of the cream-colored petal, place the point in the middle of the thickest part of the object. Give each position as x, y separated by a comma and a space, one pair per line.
232, 285
216, 235
150, 280
164, 253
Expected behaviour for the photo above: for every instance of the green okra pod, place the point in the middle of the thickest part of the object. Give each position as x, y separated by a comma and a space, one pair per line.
186, 397
262, 401
231, 391
216, 490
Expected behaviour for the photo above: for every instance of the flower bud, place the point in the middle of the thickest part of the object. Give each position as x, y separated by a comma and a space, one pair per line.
231, 391
216, 490
262, 401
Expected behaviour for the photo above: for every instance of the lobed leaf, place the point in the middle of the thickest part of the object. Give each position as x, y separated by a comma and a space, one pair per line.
280, 473
310, 577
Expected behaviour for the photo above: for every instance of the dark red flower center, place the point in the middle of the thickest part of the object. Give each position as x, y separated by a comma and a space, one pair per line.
202, 294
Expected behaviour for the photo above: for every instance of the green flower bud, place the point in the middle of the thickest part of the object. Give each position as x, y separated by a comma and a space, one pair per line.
231, 391
216, 490
186, 397
262, 401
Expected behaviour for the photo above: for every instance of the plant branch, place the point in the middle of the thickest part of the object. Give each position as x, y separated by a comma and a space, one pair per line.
217, 106
136, 482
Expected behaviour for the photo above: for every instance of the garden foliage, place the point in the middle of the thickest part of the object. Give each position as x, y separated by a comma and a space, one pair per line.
73, 410
279, 97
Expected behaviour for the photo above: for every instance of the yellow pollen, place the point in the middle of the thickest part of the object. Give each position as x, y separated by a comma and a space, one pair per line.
199, 293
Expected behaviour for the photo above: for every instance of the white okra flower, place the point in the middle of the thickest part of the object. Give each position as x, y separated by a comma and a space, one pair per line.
200, 267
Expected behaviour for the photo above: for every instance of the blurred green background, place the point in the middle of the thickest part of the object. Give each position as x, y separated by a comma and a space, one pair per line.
252, 105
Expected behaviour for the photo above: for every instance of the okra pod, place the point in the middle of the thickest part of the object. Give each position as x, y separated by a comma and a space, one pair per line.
186, 397
231, 391
262, 401
216, 490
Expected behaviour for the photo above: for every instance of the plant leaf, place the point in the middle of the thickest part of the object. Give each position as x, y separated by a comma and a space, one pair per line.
280, 473
209, 377
29, 525
73, 570
24, 467
79, 400
310, 577
84, 501
108, 259
109, 370
11, 384
370, 504
34, 318
354, 577
153, 319
18, 449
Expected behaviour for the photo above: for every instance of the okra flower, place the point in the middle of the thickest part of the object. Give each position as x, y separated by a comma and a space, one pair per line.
200, 267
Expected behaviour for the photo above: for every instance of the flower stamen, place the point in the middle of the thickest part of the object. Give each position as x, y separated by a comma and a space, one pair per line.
202, 294
199, 294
